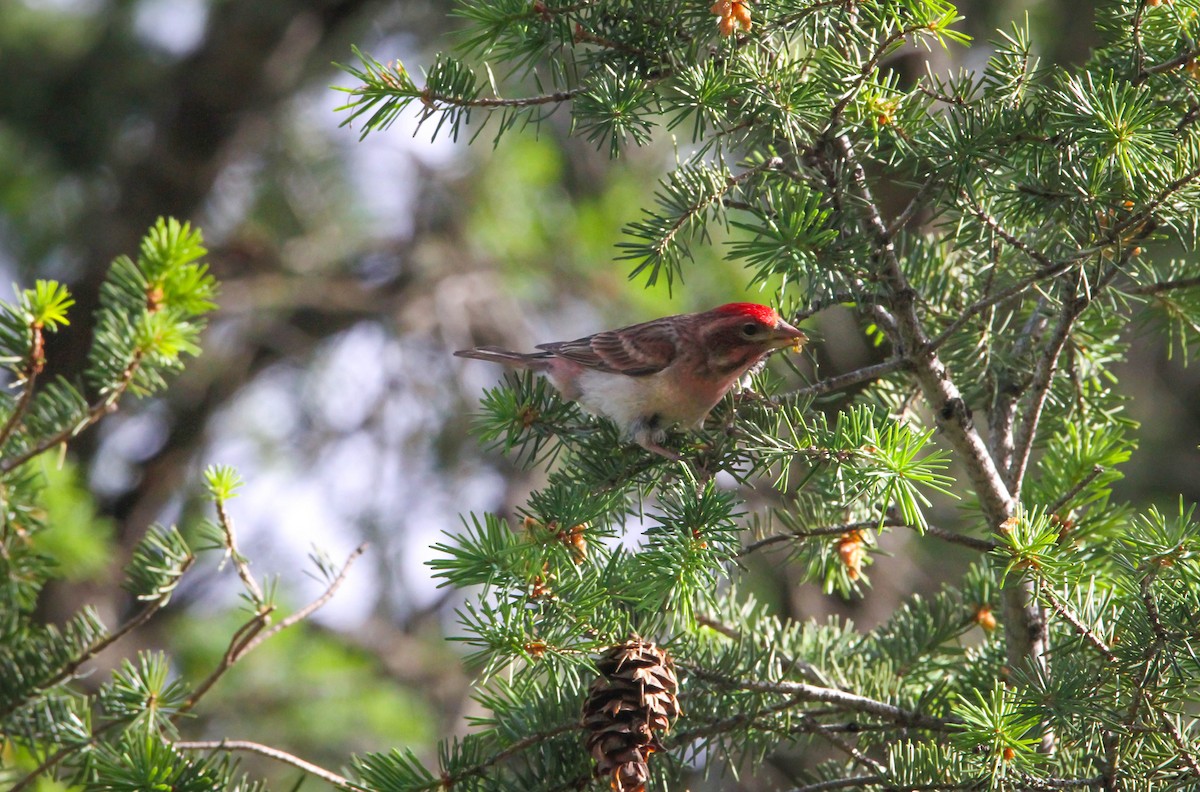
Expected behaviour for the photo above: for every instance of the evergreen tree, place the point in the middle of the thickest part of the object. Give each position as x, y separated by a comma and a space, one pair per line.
1045, 216
1041, 210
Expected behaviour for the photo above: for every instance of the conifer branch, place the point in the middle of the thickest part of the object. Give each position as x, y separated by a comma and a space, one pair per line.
851, 378
806, 668
313, 770
982, 545
1039, 388
312, 607
1079, 486
54, 759
1185, 751
140, 618
435, 102
842, 783
255, 631
1180, 60
1074, 305
34, 364
839, 698
103, 406
239, 561
1025, 638
1164, 286
869, 66
1085, 632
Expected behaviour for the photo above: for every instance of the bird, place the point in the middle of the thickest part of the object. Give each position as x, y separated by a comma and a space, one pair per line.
648, 377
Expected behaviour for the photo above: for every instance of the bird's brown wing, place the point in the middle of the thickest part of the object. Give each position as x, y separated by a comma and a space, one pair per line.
635, 351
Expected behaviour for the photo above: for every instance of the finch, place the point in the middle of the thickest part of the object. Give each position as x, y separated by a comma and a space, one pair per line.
650, 376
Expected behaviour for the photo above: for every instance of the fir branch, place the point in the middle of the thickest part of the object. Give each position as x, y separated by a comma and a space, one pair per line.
828, 530
1145, 215
316, 771
806, 668
1163, 286
1025, 640
1146, 72
315, 605
856, 377
34, 364
233, 652
1073, 306
433, 100
140, 618
1085, 632
101, 407
449, 780
842, 783
254, 632
54, 759
1066, 497
1189, 757
1013, 241
982, 545
811, 725
239, 561
1039, 388
869, 66
839, 698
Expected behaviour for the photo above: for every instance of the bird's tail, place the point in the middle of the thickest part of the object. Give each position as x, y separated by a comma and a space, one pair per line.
536, 361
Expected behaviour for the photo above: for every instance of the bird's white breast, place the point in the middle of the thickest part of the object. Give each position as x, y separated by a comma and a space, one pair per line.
628, 400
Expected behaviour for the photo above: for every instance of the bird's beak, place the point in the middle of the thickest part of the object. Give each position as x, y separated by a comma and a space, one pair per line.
785, 335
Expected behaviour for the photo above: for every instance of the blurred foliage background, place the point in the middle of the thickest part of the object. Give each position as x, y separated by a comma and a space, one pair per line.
350, 270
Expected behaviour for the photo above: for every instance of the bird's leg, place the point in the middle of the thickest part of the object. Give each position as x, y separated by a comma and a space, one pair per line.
649, 434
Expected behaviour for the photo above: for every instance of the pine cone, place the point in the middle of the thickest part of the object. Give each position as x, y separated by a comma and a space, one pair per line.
625, 707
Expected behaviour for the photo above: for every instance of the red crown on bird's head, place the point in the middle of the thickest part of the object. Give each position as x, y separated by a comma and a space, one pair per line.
760, 313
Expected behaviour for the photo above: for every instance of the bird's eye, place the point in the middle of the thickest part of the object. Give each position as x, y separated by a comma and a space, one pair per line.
750, 329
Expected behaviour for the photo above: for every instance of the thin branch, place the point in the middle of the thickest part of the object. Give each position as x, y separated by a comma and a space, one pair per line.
806, 668
865, 374
827, 530
313, 606
914, 205
431, 100
1041, 258
254, 632
234, 652
1162, 286
841, 783
239, 561
1181, 745
1003, 415
56, 757
1085, 632
1043, 372
1039, 389
271, 753
809, 726
982, 545
812, 726
839, 698
449, 780
1160, 632
33, 366
1066, 497
869, 66
1182, 59
95, 412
